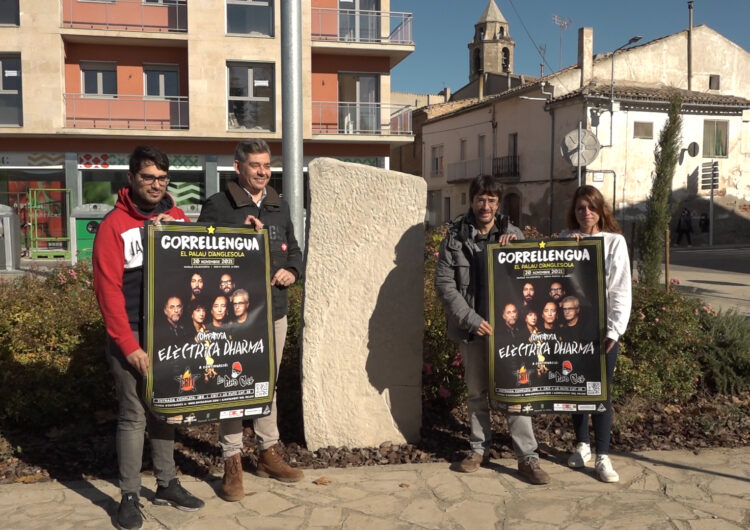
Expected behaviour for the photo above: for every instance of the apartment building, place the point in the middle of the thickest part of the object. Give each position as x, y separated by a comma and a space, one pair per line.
84, 81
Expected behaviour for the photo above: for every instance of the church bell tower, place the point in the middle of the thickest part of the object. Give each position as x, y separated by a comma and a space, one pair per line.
491, 51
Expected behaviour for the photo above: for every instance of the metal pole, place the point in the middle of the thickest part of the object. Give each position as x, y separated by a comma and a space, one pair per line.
666, 259
711, 209
551, 169
579, 154
291, 121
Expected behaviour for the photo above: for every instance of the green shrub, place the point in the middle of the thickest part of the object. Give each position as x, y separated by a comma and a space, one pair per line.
52, 366
659, 352
725, 357
442, 366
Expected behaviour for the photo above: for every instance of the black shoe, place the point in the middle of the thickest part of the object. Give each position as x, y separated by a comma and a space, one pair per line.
175, 495
129, 514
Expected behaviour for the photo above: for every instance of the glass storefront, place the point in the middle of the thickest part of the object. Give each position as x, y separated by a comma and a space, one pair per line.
46, 218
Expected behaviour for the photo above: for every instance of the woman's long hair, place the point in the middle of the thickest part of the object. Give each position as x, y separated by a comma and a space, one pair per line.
607, 221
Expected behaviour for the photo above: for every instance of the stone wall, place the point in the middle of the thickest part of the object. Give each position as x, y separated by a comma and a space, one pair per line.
363, 306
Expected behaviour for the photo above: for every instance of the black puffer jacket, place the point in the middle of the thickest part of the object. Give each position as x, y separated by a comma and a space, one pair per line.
231, 207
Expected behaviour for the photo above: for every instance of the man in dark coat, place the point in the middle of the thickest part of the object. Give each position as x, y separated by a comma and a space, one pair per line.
249, 200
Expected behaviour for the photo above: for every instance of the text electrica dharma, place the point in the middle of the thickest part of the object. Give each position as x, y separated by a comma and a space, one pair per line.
536, 256
185, 242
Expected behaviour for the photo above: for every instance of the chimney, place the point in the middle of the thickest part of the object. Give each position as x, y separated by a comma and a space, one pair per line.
690, 46
481, 85
586, 55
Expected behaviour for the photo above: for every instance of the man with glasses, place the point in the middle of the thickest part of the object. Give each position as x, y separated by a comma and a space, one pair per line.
226, 284
118, 284
249, 200
574, 328
240, 307
556, 291
463, 288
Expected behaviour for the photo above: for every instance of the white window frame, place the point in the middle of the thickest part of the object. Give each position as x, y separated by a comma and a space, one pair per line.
249, 65
99, 67
259, 3
4, 57
710, 153
14, 92
17, 12
436, 160
161, 68
643, 136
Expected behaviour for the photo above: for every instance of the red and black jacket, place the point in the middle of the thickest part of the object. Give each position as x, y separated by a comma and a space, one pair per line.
118, 267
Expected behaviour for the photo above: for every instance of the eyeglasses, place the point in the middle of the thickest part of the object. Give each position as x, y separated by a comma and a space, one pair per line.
569, 308
240, 303
149, 179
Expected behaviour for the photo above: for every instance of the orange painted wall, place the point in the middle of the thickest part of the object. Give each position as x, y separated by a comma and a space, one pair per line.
326, 68
118, 15
123, 112
324, 24
325, 84
129, 63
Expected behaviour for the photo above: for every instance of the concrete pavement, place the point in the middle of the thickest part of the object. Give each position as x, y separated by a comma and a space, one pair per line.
719, 276
657, 489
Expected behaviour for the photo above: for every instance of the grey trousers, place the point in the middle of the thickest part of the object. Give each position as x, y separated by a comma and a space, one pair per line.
266, 430
131, 426
476, 375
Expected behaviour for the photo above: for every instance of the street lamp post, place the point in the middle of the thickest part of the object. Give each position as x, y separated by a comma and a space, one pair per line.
632, 40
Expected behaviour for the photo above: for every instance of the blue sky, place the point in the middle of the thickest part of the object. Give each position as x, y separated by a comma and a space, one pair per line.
443, 29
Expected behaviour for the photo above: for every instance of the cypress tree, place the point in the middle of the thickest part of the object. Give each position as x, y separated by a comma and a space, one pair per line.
666, 155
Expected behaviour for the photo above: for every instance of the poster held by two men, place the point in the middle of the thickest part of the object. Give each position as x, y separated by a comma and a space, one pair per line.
548, 313
209, 327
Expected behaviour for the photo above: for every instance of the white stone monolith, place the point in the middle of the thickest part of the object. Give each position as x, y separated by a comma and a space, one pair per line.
363, 306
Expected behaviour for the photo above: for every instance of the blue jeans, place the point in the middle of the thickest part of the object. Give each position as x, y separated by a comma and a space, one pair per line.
132, 419
476, 375
602, 421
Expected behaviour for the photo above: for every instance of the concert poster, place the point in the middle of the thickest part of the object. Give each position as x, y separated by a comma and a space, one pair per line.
547, 308
208, 322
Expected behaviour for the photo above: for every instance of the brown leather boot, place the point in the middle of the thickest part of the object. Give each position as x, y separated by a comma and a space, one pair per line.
231, 483
271, 464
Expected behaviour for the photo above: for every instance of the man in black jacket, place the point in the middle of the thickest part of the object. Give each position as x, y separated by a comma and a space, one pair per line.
248, 200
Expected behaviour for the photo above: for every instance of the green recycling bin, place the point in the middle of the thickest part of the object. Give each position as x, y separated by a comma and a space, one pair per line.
85, 219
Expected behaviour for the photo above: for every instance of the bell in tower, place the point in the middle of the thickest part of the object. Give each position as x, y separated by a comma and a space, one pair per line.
491, 51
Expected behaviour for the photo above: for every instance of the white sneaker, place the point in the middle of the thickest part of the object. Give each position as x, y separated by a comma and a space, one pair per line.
580, 456
605, 470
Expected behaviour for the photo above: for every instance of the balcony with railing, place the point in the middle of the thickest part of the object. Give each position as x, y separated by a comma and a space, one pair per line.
126, 112
356, 31
341, 117
507, 167
466, 170
168, 16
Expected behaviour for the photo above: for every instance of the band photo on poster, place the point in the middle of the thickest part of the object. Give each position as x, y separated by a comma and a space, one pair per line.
547, 310
209, 330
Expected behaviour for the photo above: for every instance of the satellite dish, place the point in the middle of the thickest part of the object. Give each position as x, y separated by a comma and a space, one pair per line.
589, 147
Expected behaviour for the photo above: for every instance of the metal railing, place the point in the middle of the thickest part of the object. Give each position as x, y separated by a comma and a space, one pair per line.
506, 166
355, 25
468, 169
126, 112
341, 117
126, 15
